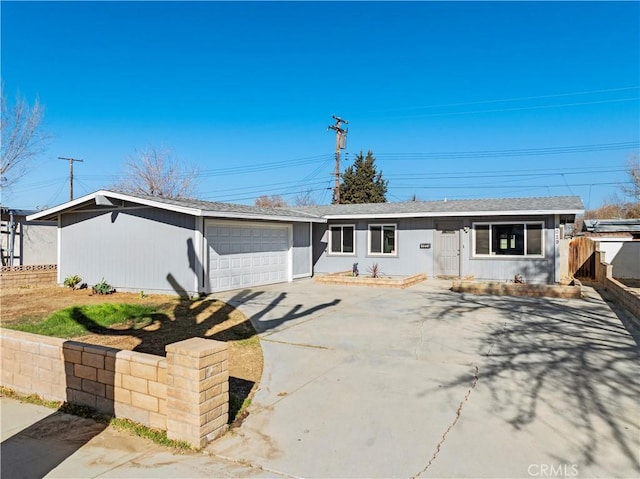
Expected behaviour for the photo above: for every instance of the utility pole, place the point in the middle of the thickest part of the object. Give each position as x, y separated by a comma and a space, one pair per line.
71, 161
341, 144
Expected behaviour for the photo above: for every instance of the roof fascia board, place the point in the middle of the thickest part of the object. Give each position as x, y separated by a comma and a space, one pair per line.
250, 216
70, 206
57, 209
155, 204
453, 213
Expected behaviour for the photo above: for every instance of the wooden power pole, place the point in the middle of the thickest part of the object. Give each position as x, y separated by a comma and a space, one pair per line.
71, 161
341, 144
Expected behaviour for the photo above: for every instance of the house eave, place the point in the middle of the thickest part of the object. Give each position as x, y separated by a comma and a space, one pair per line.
71, 206
441, 214
254, 217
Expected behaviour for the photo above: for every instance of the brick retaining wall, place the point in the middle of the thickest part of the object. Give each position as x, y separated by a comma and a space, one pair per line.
193, 380
31, 275
626, 296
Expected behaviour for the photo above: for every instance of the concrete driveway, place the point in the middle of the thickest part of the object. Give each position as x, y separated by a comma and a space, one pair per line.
424, 382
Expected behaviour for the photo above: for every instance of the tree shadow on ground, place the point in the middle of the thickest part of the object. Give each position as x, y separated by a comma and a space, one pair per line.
40, 448
207, 318
572, 359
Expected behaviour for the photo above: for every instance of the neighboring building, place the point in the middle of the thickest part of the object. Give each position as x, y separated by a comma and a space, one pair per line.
26, 243
618, 241
139, 242
625, 228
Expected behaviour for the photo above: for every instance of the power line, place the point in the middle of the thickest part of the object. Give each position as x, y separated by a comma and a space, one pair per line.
499, 174
509, 153
262, 166
489, 186
538, 107
505, 100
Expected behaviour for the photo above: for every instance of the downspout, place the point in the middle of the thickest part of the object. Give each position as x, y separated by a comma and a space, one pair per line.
12, 236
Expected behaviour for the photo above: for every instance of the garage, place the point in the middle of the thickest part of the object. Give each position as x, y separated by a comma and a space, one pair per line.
242, 255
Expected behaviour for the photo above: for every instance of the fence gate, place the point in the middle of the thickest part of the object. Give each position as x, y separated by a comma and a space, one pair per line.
582, 258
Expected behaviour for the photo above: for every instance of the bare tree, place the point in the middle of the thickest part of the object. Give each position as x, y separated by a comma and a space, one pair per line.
304, 199
156, 172
633, 170
22, 138
273, 201
617, 206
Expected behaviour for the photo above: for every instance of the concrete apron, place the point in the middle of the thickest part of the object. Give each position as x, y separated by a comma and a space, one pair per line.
363, 382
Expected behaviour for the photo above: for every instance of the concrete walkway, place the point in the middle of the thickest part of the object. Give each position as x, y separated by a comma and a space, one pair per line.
421, 382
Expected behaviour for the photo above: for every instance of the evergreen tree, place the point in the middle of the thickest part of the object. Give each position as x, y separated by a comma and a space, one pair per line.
361, 183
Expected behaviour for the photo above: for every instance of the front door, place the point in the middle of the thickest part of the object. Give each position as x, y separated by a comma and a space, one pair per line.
446, 257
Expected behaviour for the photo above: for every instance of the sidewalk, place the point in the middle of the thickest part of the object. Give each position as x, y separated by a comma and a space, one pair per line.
41, 442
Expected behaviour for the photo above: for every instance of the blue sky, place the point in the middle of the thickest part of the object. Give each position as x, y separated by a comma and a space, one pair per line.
455, 99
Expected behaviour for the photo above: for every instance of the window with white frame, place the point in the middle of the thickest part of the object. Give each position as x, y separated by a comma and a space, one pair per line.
342, 239
508, 239
383, 239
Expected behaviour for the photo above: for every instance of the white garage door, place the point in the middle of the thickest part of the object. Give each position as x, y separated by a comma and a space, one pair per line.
245, 255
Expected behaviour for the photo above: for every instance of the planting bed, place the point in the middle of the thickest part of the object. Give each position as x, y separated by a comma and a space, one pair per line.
346, 277
517, 289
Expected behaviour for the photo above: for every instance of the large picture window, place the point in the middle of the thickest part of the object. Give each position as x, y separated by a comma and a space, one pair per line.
341, 239
382, 239
508, 239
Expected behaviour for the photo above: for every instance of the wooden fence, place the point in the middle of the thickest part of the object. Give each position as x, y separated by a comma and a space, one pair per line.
582, 260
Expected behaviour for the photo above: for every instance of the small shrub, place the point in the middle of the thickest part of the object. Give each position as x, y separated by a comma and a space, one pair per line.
103, 288
375, 271
72, 281
518, 279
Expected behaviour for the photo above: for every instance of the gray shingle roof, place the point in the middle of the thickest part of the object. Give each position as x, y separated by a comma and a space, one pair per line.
212, 207
423, 208
612, 226
503, 206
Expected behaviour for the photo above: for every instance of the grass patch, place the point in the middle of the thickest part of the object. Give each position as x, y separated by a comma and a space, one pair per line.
79, 320
30, 399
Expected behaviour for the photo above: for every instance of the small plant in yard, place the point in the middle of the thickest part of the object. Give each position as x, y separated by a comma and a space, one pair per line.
72, 281
103, 288
518, 279
375, 271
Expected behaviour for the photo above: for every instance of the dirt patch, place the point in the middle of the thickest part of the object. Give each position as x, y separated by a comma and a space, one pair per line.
178, 319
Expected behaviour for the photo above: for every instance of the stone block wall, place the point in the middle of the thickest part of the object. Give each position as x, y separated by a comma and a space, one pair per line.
623, 294
33, 275
185, 393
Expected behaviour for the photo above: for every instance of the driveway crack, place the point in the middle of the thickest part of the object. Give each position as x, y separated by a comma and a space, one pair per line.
303, 345
451, 426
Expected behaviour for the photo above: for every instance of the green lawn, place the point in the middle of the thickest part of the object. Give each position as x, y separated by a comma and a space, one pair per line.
81, 320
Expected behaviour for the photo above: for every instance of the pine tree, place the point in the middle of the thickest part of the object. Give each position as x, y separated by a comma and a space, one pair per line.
361, 183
